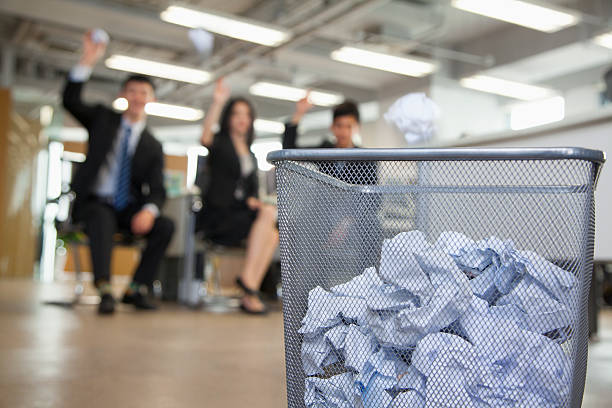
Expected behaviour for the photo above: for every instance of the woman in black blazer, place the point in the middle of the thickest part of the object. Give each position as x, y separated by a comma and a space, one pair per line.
233, 213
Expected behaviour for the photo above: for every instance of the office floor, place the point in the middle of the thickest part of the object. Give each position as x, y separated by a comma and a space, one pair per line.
54, 357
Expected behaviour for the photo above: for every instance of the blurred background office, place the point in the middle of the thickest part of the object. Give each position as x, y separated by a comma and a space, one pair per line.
497, 73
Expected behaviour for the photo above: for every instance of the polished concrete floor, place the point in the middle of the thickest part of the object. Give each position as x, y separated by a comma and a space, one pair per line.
62, 358
55, 357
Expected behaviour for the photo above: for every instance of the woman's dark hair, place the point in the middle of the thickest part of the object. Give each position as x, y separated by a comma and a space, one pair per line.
224, 123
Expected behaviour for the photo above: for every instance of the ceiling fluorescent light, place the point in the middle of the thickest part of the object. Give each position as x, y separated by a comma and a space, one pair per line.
227, 25
157, 69
523, 13
120, 104
164, 110
605, 40
173, 111
269, 126
503, 87
385, 62
291, 93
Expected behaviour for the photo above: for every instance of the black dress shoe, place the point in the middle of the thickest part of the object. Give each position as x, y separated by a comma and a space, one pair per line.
139, 301
107, 304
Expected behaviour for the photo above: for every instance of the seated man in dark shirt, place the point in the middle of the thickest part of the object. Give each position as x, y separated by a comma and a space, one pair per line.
350, 220
345, 126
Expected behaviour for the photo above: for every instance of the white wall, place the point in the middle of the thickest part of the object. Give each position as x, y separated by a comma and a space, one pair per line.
582, 100
595, 135
465, 111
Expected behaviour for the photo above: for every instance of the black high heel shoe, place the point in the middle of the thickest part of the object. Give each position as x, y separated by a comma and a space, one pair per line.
250, 292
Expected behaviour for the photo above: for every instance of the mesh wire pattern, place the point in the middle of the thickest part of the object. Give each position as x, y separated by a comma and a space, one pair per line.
335, 217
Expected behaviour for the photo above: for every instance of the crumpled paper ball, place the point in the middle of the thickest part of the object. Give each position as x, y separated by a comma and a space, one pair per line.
414, 115
202, 40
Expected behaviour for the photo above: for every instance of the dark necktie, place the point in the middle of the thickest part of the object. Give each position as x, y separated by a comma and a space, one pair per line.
122, 193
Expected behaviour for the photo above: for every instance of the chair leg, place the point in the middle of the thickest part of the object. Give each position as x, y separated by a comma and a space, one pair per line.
216, 274
191, 285
208, 273
214, 301
79, 288
188, 278
78, 297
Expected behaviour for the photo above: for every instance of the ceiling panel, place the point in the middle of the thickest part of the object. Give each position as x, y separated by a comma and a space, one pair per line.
576, 57
47, 40
231, 6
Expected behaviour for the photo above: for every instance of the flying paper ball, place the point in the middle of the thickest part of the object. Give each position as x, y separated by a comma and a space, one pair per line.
202, 40
98, 35
414, 115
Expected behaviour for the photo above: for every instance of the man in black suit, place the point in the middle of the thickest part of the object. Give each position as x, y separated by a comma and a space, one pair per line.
120, 184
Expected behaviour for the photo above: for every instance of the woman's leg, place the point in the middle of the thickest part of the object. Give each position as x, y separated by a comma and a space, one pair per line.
261, 244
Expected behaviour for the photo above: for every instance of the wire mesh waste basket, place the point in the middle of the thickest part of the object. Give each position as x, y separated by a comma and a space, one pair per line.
436, 277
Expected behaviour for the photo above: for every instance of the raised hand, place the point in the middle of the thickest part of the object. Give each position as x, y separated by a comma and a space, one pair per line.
220, 96
92, 51
301, 107
304, 105
222, 92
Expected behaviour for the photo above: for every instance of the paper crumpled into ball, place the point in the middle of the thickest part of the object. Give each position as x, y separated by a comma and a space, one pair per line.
454, 323
414, 115
539, 295
534, 373
99, 36
202, 40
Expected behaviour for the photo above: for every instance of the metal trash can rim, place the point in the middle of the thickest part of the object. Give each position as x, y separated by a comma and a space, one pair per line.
439, 154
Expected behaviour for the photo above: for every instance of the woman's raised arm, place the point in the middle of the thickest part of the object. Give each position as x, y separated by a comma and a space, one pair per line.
220, 96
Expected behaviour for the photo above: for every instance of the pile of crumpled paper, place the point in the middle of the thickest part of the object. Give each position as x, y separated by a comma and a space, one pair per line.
456, 323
